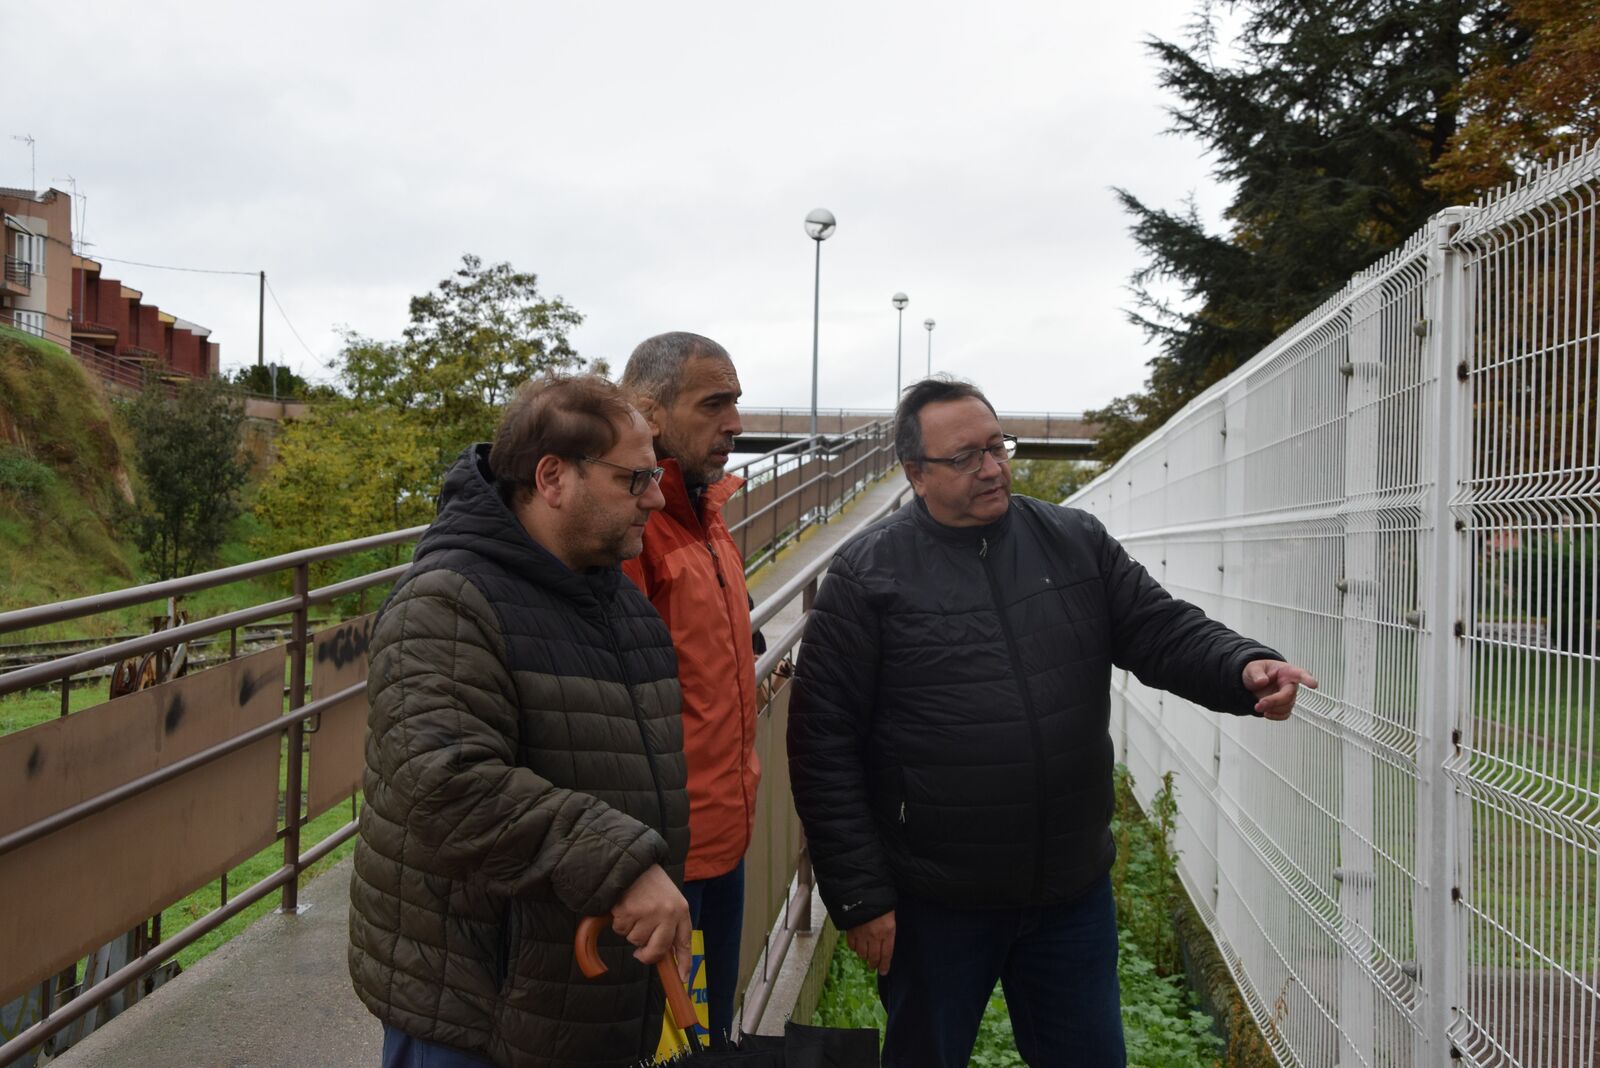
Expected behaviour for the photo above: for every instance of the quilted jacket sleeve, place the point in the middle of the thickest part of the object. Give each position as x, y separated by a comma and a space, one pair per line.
830, 718
1172, 644
444, 715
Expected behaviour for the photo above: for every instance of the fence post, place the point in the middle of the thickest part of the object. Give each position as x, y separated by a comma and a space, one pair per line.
1442, 683
292, 776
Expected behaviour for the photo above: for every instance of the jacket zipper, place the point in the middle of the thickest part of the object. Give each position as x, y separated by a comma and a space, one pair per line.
638, 721
1027, 705
716, 564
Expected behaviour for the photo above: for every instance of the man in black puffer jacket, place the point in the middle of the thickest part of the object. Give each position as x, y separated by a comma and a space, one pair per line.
524, 756
949, 746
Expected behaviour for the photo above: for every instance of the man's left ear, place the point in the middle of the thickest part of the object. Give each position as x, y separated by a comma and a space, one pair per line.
647, 407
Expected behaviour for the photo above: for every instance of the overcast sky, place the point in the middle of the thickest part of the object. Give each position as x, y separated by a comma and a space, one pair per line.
652, 163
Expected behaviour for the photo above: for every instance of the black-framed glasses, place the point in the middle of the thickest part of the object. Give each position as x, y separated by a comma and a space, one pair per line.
968, 461
642, 476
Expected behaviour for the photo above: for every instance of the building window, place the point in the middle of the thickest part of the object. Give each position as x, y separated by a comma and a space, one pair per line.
30, 321
30, 250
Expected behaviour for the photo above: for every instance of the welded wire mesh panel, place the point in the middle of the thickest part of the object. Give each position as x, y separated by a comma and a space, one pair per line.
1527, 763
1403, 494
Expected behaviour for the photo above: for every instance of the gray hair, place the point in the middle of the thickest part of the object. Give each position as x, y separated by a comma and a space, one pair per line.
655, 369
917, 396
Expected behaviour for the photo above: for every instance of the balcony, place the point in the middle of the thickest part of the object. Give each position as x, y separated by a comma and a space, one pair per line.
135, 353
84, 329
18, 277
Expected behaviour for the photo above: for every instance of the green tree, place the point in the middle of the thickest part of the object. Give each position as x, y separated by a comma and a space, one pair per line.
1326, 120
187, 450
1051, 480
259, 378
471, 341
372, 460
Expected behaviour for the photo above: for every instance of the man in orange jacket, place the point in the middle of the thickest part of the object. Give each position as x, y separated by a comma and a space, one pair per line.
687, 389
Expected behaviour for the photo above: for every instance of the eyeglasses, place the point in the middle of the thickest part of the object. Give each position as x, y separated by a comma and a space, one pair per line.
969, 461
642, 476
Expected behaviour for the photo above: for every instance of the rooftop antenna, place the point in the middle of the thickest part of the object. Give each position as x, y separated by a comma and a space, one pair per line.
33, 162
80, 208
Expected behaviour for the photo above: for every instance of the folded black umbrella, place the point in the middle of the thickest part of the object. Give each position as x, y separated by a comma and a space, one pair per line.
801, 1046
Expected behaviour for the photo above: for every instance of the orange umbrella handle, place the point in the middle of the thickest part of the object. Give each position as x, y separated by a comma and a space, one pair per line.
590, 964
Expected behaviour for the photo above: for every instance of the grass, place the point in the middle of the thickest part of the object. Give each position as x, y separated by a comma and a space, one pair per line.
180, 915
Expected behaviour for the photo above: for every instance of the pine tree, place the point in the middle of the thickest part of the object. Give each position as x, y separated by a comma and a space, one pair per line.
1327, 121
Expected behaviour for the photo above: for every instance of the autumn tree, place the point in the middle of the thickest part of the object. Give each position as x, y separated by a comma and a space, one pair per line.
1533, 97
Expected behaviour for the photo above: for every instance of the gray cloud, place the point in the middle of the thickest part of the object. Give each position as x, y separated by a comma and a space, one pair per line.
651, 162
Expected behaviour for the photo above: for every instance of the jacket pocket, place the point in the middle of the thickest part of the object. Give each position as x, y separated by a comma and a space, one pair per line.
510, 932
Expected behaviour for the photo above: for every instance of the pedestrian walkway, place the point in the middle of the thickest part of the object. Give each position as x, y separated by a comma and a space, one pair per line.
819, 540
279, 994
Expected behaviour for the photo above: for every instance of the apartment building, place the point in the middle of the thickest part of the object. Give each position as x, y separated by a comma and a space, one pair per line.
50, 291
35, 289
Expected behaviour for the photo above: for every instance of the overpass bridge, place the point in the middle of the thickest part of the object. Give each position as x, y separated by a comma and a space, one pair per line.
1040, 435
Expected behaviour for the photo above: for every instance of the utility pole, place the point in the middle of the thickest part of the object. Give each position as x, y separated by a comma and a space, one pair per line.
261, 321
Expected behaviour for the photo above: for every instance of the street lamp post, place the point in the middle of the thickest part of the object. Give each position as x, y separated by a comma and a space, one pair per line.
928, 325
900, 300
820, 225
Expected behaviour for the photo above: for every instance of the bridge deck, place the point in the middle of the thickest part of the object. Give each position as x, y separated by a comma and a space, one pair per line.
279, 995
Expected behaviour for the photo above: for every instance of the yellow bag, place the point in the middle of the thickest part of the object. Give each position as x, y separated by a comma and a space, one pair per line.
672, 1040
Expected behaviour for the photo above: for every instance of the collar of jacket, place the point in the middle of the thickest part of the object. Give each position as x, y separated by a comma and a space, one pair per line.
472, 518
680, 508
989, 532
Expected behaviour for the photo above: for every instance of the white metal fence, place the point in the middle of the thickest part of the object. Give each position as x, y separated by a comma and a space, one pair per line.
1401, 494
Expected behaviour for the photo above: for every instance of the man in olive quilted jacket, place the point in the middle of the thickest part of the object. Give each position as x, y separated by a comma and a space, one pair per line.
524, 756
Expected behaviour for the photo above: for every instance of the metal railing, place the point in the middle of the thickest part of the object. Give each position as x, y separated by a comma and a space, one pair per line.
216, 743
797, 486
19, 272
1403, 494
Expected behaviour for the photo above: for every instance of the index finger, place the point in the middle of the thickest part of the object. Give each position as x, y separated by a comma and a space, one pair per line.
1292, 673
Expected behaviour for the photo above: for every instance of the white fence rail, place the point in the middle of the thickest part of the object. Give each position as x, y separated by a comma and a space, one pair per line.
1403, 494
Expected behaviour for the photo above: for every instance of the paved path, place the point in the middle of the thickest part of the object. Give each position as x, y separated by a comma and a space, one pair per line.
277, 996
817, 540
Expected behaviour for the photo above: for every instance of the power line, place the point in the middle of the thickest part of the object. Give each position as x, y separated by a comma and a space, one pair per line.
277, 304
166, 267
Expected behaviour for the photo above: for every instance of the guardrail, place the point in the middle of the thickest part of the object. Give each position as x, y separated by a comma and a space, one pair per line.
19, 272
1400, 493
199, 759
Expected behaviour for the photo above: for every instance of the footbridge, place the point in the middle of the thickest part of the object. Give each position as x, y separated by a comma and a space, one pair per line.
1040, 435
118, 818
1399, 493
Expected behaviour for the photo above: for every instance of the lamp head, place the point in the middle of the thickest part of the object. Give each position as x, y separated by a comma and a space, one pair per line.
900, 300
821, 224
928, 324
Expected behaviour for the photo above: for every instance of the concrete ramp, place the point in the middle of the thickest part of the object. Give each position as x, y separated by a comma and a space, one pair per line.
277, 996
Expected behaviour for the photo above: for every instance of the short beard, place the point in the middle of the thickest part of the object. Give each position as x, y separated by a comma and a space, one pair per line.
692, 476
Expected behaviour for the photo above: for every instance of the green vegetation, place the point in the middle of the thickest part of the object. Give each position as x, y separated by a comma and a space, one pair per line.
61, 478
188, 451
1162, 1026
1051, 480
209, 897
371, 460
1338, 130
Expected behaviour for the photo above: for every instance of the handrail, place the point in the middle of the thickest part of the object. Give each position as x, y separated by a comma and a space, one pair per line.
863, 454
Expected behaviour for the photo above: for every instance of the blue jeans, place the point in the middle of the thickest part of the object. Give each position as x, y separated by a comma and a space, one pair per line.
401, 1050
716, 906
1058, 966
